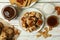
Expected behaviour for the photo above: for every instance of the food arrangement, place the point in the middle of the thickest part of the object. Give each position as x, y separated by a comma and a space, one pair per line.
7, 31
31, 20
52, 21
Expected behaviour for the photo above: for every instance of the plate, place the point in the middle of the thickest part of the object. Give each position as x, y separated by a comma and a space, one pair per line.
30, 10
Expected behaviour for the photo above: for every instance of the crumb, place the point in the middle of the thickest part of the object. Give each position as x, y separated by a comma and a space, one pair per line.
39, 34
50, 28
44, 33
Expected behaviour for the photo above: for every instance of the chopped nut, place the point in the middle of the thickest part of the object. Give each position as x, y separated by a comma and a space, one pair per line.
28, 30
46, 28
38, 15
38, 35
32, 28
39, 22
24, 25
44, 33
26, 14
50, 28
23, 19
32, 14
31, 22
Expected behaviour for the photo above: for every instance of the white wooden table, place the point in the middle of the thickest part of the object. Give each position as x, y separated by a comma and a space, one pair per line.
24, 36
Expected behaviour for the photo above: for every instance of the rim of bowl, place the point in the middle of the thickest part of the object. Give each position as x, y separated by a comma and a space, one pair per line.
15, 14
42, 25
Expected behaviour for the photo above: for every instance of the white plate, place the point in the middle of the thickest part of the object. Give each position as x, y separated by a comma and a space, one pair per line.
29, 10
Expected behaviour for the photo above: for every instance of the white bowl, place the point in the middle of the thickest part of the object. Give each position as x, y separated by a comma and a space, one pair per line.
29, 5
29, 10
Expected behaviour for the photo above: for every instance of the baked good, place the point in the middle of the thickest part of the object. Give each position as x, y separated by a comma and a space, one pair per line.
8, 32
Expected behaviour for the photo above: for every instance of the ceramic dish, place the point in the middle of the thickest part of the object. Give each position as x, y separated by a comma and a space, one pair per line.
30, 10
9, 12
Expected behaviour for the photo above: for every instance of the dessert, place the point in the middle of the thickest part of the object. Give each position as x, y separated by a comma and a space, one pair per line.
8, 32
22, 3
9, 12
57, 8
52, 21
31, 21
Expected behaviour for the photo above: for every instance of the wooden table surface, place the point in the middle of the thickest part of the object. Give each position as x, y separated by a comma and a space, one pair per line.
38, 5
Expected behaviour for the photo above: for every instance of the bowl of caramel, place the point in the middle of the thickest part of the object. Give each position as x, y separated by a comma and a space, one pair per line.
9, 12
52, 21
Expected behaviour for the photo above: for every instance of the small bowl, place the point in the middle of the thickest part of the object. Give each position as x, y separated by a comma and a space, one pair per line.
51, 19
13, 16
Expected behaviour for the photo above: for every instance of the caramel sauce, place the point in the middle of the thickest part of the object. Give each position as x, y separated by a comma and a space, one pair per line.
8, 12
52, 21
